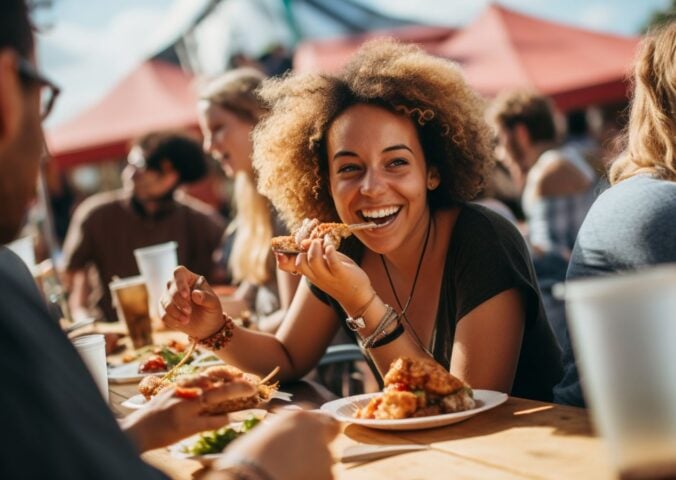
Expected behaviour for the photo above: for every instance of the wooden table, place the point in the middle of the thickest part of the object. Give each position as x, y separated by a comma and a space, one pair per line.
521, 439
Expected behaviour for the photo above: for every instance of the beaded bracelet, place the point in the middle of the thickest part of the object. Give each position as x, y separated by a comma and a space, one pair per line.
221, 337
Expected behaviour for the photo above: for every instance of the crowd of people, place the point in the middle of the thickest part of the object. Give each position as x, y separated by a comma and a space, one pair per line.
397, 138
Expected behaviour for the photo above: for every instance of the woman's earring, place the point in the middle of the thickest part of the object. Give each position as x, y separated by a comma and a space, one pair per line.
432, 183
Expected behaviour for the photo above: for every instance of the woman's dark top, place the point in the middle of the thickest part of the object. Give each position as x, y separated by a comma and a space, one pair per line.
486, 256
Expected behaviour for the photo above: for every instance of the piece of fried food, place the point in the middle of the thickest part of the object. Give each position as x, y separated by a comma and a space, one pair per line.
284, 244
310, 229
422, 374
390, 405
416, 388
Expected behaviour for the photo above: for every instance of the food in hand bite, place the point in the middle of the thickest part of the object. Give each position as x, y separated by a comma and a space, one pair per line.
310, 229
418, 388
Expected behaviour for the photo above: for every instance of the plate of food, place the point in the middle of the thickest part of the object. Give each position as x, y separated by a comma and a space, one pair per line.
209, 378
418, 394
207, 446
158, 360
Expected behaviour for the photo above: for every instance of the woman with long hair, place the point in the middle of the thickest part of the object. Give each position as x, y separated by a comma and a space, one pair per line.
228, 111
633, 223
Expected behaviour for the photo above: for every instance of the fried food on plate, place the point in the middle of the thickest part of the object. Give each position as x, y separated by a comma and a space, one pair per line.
418, 388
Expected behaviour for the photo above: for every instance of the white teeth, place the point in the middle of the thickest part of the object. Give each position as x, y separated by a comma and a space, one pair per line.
380, 212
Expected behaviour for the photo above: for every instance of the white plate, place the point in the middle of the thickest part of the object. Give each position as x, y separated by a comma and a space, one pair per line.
139, 401
344, 408
176, 450
128, 372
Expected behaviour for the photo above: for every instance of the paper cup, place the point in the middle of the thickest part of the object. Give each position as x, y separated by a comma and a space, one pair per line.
624, 333
156, 264
92, 349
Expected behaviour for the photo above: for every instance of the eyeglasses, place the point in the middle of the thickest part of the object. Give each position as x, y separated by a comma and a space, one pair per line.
28, 71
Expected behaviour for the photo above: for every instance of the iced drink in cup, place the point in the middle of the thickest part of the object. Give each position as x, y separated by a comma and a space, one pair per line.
92, 349
156, 264
130, 298
624, 333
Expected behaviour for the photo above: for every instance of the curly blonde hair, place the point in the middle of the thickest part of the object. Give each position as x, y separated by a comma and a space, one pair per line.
290, 142
651, 133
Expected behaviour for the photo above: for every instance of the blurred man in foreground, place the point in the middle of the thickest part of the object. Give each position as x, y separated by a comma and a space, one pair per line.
56, 422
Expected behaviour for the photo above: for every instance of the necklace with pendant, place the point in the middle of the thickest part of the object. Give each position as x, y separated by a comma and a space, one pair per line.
410, 328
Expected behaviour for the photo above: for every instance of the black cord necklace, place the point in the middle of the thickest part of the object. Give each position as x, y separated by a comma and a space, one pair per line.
415, 281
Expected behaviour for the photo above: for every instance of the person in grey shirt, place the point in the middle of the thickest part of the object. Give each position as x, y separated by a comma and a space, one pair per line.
633, 224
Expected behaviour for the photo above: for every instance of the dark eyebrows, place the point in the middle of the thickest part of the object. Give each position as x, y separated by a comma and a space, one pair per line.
343, 153
348, 153
397, 147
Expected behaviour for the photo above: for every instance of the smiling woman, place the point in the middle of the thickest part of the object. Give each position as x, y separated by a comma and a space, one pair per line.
397, 139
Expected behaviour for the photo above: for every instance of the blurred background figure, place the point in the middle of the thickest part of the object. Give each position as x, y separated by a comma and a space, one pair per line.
107, 227
555, 181
228, 111
633, 224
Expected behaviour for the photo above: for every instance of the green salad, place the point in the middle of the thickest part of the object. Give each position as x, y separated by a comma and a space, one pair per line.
216, 440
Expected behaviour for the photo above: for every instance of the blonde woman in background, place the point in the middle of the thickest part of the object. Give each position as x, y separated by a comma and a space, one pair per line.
633, 224
228, 111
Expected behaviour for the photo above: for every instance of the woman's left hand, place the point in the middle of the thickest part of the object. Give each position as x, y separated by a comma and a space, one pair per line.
331, 271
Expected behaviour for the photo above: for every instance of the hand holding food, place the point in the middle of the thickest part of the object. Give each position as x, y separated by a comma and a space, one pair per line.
418, 388
168, 418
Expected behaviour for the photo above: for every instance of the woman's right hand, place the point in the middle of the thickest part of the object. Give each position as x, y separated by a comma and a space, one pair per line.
195, 311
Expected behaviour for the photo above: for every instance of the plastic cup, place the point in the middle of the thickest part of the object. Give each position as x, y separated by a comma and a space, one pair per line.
624, 333
130, 298
25, 249
156, 264
92, 349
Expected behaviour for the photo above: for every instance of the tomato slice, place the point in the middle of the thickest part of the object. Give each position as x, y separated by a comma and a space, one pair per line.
187, 392
154, 364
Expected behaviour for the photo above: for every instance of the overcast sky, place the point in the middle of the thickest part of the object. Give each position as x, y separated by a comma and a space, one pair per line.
92, 44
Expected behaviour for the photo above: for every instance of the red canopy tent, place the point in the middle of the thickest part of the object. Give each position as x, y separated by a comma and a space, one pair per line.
503, 49
156, 96
329, 56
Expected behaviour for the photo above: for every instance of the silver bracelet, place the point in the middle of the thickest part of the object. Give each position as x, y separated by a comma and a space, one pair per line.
388, 318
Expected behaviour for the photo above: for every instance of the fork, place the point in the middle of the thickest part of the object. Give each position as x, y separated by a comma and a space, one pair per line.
361, 226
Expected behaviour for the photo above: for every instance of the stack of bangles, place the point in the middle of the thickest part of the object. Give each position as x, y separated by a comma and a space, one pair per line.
221, 337
381, 336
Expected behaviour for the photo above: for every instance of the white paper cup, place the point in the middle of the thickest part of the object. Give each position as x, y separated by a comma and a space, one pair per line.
92, 349
25, 249
156, 264
624, 333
